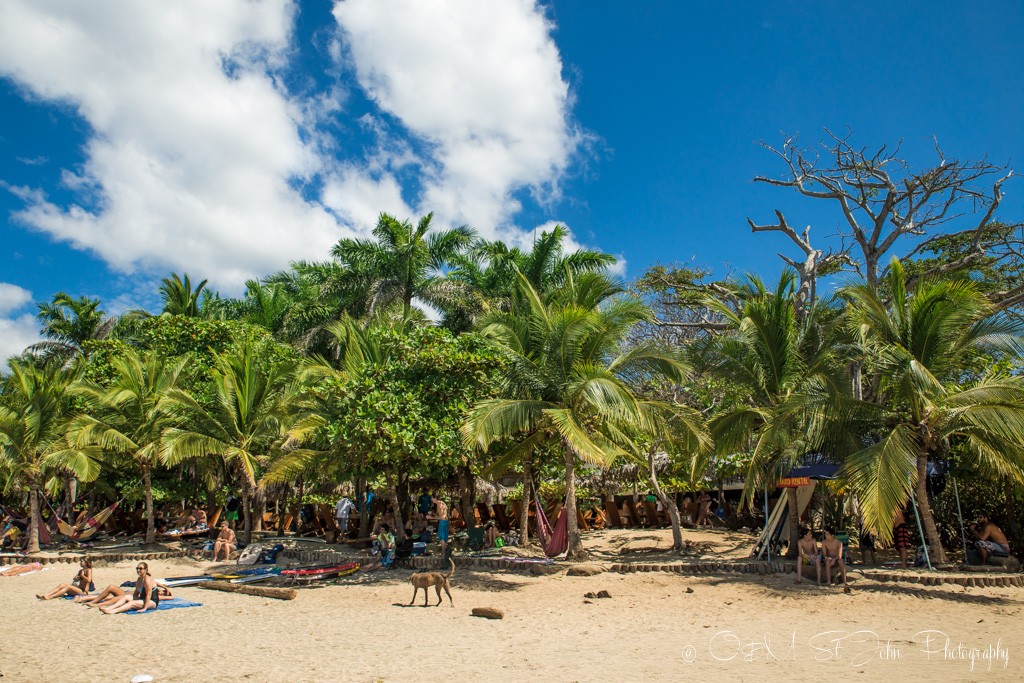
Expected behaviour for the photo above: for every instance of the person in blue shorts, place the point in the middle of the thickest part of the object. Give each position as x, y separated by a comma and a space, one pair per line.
441, 515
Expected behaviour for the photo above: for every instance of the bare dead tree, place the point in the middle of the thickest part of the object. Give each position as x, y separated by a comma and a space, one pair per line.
815, 261
883, 200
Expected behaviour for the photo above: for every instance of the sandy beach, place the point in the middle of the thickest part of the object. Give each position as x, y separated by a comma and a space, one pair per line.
730, 627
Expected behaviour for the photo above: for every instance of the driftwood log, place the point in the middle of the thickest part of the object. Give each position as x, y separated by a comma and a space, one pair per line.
259, 591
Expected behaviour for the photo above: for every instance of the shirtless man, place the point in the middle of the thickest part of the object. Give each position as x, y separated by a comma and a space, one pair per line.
441, 515
991, 539
808, 548
832, 549
225, 541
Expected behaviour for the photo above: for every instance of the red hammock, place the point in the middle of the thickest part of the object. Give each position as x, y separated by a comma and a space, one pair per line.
89, 527
555, 541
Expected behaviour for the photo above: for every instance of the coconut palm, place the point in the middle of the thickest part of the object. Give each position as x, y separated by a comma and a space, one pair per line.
403, 263
565, 379
180, 298
788, 368
35, 409
248, 418
129, 416
925, 344
67, 323
490, 272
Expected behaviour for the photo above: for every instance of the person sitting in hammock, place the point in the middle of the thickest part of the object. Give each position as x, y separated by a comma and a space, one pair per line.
81, 584
144, 597
110, 595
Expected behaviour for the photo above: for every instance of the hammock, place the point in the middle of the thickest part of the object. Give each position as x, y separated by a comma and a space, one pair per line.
89, 527
555, 541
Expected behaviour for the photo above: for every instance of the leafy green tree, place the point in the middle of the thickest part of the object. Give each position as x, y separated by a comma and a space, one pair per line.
35, 409
180, 298
564, 379
130, 415
246, 420
924, 342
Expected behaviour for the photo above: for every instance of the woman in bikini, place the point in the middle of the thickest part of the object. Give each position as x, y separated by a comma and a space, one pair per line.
80, 585
144, 597
111, 593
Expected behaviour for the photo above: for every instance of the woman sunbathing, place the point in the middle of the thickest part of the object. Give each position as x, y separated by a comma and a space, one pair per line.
112, 593
144, 597
80, 585
20, 569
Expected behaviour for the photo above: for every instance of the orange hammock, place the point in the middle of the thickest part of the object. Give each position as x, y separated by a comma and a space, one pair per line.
89, 527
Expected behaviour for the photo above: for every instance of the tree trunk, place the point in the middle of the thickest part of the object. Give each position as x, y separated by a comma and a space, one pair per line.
393, 494
247, 513
669, 503
147, 483
575, 550
259, 504
524, 513
793, 501
931, 532
468, 490
33, 520
72, 495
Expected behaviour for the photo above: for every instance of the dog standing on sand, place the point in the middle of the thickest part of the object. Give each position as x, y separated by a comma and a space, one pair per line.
438, 580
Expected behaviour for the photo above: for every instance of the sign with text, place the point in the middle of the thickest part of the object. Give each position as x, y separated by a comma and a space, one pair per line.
793, 482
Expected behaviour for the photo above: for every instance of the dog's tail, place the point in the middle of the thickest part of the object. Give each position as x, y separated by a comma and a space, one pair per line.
452, 572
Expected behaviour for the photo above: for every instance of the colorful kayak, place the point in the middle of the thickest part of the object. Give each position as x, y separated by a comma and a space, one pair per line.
318, 572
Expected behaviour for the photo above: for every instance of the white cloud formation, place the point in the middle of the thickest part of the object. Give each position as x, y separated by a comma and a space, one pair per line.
196, 148
194, 145
480, 84
17, 331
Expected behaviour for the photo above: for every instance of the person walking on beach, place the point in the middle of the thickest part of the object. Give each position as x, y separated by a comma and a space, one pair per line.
809, 553
991, 539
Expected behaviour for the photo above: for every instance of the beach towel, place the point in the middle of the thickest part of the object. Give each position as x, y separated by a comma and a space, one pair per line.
168, 604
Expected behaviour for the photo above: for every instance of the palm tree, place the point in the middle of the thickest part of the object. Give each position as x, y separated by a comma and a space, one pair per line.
788, 368
489, 271
130, 416
67, 323
403, 263
925, 343
247, 420
35, 409
564, 379
180, 298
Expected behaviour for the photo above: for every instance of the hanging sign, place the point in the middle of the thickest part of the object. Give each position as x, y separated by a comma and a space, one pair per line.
793, 482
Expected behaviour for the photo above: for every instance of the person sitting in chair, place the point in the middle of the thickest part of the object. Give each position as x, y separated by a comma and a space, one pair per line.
991, 539
383, 548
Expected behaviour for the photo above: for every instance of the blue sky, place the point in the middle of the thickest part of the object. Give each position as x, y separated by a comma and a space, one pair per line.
226, 139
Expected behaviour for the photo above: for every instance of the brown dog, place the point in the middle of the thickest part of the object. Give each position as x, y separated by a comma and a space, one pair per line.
438, 580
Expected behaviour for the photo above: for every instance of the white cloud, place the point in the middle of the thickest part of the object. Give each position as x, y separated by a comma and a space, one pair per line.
18, 331
196, 148
480, 84
194, 144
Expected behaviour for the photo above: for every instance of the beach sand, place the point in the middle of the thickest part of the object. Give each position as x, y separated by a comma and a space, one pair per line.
734, 627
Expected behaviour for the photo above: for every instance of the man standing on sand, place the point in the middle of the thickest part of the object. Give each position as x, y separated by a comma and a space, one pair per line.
342, 511
832, 549
441, 515
808, 548
991, 539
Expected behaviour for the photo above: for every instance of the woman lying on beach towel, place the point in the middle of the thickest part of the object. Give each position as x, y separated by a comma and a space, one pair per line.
144, 597
20, 569
81, 584
112, 593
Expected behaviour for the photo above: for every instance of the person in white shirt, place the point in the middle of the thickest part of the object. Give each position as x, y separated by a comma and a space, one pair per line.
342, 511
